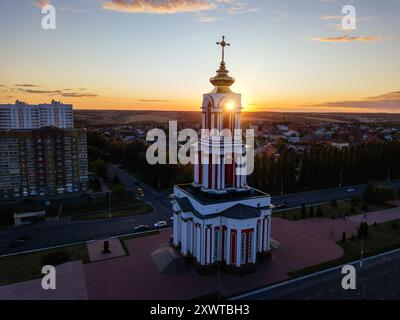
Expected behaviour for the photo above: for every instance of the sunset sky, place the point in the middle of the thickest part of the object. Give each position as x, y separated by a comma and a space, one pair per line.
286, 55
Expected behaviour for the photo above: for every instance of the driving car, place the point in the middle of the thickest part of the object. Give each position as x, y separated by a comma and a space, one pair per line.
142, 227
160, 224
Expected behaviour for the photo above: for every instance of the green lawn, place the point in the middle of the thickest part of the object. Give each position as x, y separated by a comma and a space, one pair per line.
382, 237
136, 210
329, 211
28, 266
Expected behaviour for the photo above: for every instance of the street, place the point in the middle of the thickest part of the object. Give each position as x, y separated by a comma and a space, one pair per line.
378, 278
64, 231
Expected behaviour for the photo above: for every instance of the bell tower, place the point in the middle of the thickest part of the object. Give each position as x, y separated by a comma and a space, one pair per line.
220, 158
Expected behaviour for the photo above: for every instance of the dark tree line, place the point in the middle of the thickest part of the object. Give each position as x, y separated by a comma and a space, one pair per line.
318, 167
132, 155
325, 166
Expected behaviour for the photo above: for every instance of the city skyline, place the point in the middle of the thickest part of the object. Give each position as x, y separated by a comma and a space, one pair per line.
158, 55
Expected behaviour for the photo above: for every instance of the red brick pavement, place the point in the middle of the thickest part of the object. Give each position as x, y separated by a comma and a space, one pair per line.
303, 243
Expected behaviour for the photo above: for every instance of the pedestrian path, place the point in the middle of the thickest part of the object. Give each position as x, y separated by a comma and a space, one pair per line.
380, 216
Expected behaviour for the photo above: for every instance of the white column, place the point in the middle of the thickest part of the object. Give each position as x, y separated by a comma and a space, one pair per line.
254, 253
213, 173
265, 224
199, 244
184, 238
176, 228
223, 173
269, 234
196, 167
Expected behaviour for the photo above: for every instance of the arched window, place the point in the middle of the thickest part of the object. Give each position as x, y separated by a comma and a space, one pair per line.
243, 248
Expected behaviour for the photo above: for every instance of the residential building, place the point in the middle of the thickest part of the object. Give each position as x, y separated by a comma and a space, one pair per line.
42, 162
26, 116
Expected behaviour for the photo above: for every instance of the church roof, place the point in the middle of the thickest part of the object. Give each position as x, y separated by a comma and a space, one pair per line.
239, 211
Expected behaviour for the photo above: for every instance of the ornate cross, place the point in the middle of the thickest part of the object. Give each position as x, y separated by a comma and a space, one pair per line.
223, 44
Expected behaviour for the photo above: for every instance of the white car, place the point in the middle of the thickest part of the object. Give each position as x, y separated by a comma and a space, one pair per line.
160, 224
350, 190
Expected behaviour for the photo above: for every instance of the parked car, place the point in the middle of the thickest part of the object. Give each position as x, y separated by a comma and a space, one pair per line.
160, 224
350, 190
142, 227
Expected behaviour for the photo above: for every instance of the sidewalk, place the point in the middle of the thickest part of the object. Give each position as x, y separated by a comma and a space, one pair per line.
377, 216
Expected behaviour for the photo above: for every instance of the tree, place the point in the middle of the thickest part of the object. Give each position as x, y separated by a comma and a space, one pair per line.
116, 180
303, 211
334, 204
344, 236
99, 167
320, 212
311, 211
119, 191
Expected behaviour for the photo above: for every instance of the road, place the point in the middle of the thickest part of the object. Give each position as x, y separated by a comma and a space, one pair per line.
63, 231
322, 196
378, 278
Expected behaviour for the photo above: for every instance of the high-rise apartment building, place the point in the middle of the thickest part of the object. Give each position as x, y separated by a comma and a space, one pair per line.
26, 116
42, 162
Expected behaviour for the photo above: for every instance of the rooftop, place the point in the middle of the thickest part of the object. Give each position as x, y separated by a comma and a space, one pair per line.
206, 198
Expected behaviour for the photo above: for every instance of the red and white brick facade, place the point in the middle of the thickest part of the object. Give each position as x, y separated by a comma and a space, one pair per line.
218, 218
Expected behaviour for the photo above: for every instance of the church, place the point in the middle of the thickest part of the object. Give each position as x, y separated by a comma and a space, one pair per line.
218, 220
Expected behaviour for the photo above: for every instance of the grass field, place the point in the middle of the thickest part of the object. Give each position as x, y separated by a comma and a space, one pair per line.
28, 266
333, 212
382, 237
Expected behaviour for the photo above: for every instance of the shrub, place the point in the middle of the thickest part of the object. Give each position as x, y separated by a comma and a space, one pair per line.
355, 201
55, 258
320, 212
334, 204
119, 191
395, 225
303, 211
311, 211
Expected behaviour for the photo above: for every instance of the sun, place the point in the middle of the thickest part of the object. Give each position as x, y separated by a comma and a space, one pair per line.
230, 106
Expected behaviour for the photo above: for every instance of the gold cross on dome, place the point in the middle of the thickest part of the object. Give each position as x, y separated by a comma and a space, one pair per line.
223, 44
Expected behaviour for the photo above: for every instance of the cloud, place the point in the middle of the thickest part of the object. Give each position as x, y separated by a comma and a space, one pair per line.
63, 93
349, 39
42, 3
27, 85
387, 101
159, 6
153, 101
206, 18
79, 95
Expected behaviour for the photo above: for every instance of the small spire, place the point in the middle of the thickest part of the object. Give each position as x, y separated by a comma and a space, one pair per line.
223, 44
222, 81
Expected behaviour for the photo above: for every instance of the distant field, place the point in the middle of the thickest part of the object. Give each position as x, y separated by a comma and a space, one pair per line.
117, 117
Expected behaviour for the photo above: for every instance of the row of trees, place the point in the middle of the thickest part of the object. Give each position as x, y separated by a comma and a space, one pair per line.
325, 166
132, 155
318, 167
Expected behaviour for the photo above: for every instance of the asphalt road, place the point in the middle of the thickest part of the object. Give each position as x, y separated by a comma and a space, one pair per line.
63, 231
377, 279
322, 196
